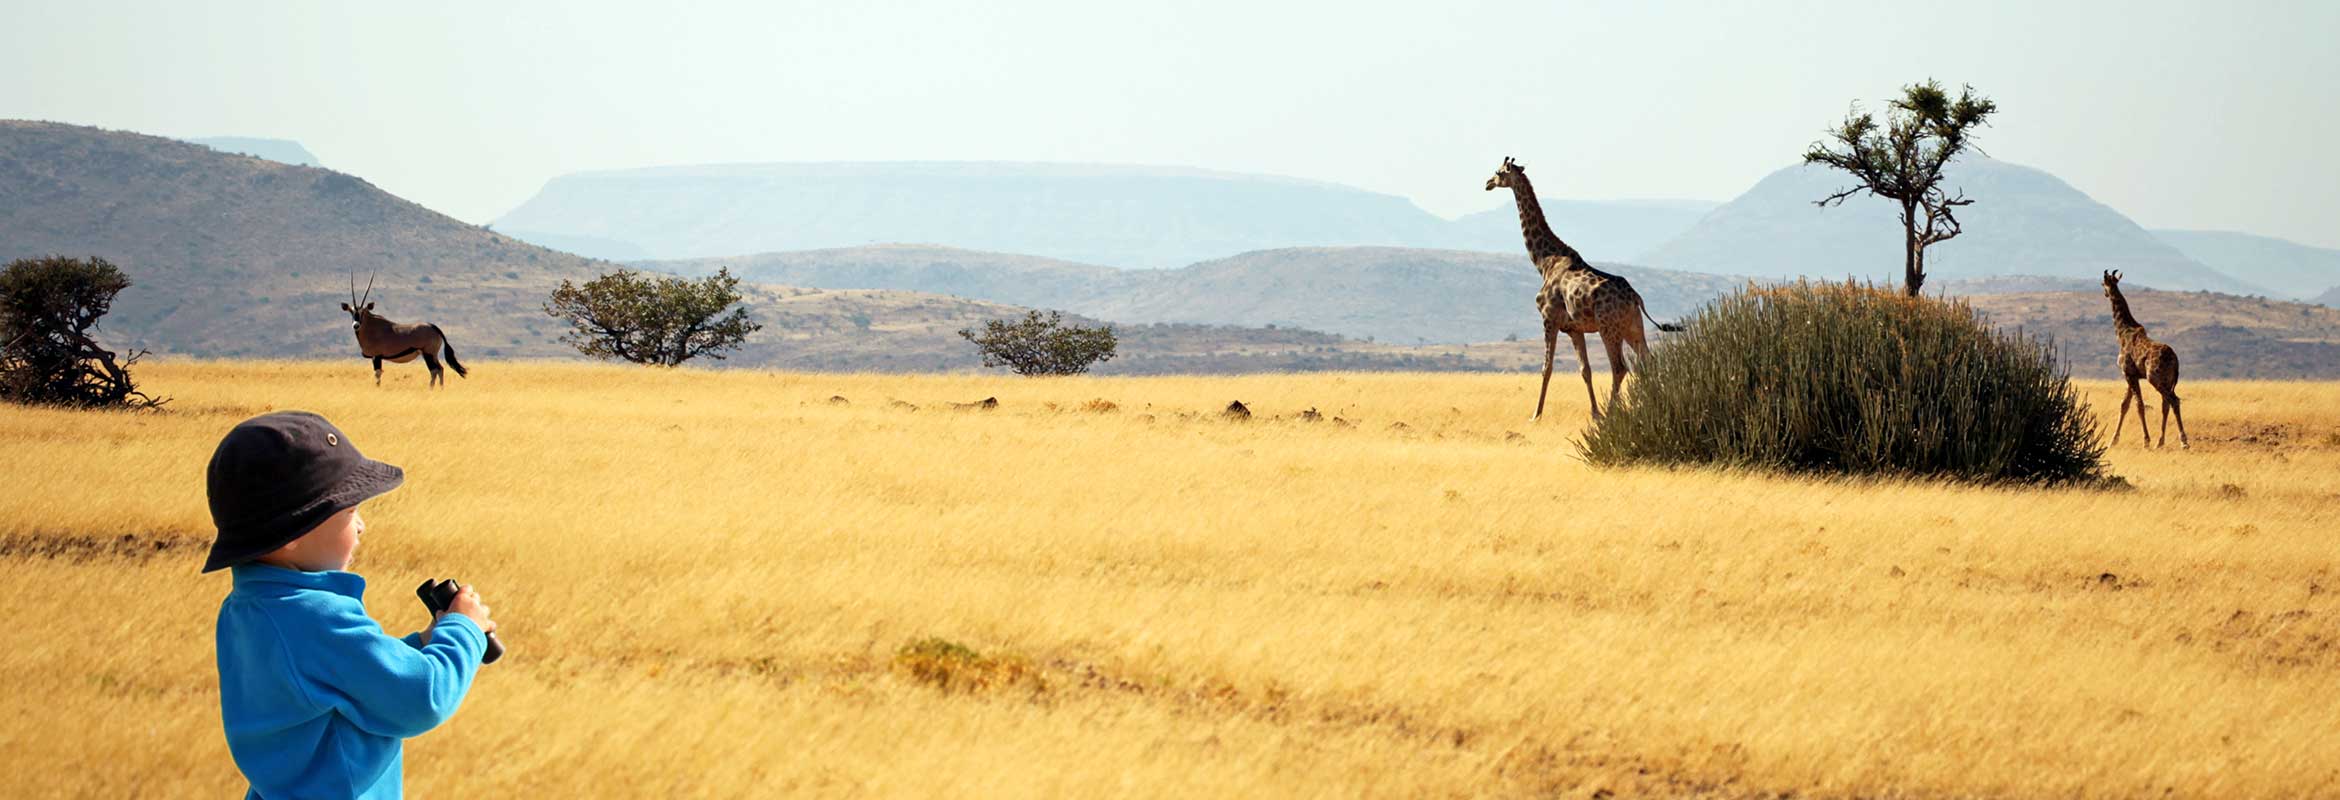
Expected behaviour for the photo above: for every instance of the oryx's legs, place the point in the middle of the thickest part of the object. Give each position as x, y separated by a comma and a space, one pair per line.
437, 376
377, 371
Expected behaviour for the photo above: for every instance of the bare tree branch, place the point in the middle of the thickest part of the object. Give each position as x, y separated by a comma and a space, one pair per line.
1925, 129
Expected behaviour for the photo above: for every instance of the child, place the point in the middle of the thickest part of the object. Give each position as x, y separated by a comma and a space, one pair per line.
315, 696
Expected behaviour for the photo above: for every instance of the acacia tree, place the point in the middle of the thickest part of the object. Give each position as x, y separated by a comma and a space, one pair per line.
652, 320
1924, 129
1041, 346
47, 356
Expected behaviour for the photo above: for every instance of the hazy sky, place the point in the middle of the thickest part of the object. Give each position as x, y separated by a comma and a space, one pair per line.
2189, 115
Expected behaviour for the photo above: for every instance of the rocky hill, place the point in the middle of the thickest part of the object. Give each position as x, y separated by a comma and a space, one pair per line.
876, 330
1394, 294
2288, 269
2217, 336
1402, 295
238, 256
2024, 222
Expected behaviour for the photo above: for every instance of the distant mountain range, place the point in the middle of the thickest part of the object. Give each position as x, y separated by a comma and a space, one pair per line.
1390, 294
242, 257
282, 151
2330, 298
2288, 269
1110, 215
1102, 214
2023, 222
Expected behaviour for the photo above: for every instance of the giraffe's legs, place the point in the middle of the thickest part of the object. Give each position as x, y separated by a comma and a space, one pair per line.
1551, 342
1616, 349
2144, 428
2169, 405
2123, 420
1584, 367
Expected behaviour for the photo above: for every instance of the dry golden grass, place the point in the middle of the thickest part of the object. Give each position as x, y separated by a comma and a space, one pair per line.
708, 581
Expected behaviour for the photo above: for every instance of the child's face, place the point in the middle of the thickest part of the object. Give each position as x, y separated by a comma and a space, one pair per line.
329, 546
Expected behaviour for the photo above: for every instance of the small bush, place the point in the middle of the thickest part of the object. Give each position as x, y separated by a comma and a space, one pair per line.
1840, 378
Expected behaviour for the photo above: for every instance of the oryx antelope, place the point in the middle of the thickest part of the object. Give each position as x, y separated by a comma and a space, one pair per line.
383, 340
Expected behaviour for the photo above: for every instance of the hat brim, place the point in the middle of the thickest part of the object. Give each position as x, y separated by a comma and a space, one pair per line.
368, 480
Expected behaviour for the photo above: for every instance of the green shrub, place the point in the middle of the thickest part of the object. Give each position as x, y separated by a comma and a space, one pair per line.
1840, 378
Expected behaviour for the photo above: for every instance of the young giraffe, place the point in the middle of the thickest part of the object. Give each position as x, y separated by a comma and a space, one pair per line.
1576, 299
2141, 357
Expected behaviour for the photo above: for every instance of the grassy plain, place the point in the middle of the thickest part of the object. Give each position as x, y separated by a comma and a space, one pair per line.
708, 578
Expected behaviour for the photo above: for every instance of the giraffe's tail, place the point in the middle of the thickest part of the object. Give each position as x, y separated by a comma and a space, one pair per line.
1660, 325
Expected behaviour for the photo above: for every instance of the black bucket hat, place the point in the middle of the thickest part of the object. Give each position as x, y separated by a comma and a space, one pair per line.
275, 476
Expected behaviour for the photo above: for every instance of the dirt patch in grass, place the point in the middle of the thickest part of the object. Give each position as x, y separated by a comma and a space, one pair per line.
954, 667
80, 547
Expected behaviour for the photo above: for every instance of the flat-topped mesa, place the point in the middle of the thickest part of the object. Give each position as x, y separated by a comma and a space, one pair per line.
1543, 245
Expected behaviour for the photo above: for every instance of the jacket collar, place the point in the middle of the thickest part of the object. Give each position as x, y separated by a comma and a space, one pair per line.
267, 578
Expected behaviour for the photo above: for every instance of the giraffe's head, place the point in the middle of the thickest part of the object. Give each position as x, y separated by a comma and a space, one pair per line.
2112, 282
1507, 176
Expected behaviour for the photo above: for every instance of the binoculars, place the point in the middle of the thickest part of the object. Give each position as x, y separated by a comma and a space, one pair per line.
437, 595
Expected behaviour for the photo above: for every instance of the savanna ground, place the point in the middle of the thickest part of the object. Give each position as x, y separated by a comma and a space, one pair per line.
709, 582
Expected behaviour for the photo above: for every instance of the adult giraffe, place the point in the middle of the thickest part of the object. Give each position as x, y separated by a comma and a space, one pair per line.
1576, 299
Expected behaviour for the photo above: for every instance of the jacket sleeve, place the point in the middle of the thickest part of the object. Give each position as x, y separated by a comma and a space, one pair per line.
385, 686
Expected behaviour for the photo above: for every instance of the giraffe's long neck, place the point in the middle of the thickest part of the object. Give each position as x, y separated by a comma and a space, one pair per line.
1542, 243
2124, 323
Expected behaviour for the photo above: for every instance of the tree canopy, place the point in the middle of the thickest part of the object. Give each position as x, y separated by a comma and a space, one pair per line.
652, 320
1037, 345
47, 356
1902, 161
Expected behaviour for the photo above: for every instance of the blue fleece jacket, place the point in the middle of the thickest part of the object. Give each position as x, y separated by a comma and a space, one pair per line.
316, 697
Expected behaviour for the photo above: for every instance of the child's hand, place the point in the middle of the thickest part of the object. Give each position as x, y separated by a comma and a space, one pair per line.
468, 604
